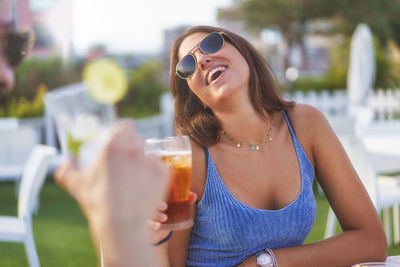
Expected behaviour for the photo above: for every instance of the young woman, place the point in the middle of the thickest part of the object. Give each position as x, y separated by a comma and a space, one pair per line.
254, 160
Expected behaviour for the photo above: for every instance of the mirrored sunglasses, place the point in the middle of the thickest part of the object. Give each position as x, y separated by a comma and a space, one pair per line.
210, 44
16, 45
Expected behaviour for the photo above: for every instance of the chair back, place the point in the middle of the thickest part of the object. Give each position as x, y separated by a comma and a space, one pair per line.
8, 123
362, 164
16, 145
33, 177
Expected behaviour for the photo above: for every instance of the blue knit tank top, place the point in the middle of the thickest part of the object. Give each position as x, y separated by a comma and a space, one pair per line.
226, 231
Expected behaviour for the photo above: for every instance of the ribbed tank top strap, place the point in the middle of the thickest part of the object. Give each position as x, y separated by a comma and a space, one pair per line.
297, 145
289, 124
206, 152
305, 163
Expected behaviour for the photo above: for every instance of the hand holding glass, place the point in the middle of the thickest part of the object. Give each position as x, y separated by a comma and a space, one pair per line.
176, 153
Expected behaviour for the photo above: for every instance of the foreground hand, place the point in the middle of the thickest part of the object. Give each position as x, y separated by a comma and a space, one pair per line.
121, 189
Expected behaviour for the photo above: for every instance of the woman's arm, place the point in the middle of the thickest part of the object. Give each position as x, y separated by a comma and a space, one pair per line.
177, 248
363, 238
179, 242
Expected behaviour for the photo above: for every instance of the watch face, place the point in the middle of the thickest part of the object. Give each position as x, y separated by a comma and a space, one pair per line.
264, 260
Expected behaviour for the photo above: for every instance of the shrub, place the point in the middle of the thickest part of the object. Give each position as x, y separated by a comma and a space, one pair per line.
32, 74
385, 76
23, 108
144, 91
336, 75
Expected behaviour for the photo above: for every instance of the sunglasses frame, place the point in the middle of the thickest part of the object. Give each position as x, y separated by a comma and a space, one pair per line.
194, 48
14, 40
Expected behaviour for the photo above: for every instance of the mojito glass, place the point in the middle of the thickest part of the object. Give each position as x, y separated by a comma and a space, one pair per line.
82, 123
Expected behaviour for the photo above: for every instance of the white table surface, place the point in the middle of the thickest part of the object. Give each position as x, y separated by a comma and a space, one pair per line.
382, 141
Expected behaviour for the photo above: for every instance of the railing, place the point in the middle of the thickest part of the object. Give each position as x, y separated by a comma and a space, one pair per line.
384, 104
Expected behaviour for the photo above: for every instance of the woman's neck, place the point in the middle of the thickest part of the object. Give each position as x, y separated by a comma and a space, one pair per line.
244, 124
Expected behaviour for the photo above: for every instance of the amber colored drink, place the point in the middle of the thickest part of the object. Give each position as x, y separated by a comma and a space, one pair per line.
176, 153
179, 211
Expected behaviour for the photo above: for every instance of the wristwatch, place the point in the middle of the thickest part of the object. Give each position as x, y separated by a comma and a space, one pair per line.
264, 259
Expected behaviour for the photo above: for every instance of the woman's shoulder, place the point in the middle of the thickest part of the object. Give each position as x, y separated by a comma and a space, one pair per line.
197, 152
311, 127
307, 118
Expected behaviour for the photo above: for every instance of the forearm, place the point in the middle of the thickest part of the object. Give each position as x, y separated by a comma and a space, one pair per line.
345, 249
129, 247
178, 248
162, 252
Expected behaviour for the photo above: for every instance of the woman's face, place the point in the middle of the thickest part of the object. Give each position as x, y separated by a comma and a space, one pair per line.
218, 76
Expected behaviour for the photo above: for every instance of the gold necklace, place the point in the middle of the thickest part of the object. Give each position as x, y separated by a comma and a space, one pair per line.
252, 147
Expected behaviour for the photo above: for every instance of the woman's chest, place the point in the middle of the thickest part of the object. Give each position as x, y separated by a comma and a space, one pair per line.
267, 181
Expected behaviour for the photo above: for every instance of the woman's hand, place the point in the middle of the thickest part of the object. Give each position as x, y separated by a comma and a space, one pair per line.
161, 217
156, 222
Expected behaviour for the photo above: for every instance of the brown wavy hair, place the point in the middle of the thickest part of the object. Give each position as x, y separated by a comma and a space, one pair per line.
192, 118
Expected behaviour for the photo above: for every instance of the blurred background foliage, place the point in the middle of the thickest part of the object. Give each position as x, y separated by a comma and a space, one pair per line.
36, 76
336, 75
32, 79
144, 91
23, 108
291, 18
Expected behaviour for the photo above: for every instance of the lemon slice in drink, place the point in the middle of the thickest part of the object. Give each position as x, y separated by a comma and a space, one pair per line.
106, 81
74, 145
85, 128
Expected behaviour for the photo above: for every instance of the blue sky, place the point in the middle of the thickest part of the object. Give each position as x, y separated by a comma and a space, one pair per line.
136, 26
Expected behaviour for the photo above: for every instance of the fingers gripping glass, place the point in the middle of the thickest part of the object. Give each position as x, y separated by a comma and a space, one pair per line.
16, 46
210, 44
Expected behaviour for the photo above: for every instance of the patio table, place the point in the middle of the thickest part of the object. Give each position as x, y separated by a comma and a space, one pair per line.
382, 141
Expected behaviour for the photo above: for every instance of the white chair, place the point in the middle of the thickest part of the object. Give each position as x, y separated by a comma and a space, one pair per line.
19, 229
8, 123
16, 144
384, 191
382, 141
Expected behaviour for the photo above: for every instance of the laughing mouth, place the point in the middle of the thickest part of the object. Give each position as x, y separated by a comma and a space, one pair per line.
215, 73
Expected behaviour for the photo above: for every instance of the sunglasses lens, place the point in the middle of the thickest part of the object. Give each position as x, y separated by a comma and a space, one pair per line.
18, 45
212, 43
186, 67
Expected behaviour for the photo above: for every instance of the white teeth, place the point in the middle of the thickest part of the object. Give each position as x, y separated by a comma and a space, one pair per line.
210, 74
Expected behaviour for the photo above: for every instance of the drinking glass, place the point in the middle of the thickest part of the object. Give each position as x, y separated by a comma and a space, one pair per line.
82, 123
176, 153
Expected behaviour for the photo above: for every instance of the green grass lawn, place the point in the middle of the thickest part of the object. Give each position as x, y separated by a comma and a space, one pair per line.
318, 230
60, 230
61, 233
